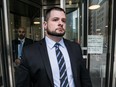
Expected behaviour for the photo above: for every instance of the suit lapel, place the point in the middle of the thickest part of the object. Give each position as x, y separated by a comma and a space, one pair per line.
25, 42
43, 50
72, 60
16, 47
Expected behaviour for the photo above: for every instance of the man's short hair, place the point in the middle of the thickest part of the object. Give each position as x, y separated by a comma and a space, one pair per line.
22, 28
51, 9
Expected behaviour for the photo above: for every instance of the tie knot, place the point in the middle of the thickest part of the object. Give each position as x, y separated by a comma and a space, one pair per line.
21, 41
56, 45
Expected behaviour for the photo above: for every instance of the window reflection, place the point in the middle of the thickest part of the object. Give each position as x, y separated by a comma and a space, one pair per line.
98, 21
33, 31
71, 28
25, 14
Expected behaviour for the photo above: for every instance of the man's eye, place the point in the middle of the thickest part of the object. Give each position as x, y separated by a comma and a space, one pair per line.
64, 21
21, 31
55, 19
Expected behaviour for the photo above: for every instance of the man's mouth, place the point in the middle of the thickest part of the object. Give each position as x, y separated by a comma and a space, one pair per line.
60, 29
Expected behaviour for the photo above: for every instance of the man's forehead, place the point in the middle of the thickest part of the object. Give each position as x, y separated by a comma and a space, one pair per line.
21, 29
55, 12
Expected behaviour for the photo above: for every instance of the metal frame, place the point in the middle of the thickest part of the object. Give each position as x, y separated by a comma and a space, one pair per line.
111, 44
114, 66
7, 62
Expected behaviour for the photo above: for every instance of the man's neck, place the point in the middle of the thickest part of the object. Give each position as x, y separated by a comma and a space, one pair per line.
54, 38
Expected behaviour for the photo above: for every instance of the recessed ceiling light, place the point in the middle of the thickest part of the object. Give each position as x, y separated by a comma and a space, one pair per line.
70, 2
35, 22
106, 26
93, 7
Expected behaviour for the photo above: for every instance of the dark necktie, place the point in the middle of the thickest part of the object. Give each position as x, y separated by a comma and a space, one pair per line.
62, 67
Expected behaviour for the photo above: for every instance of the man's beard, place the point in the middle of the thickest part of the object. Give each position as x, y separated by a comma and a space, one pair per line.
54, 33
21, 36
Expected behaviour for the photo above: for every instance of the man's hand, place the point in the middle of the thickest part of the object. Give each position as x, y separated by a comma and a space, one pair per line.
17, 61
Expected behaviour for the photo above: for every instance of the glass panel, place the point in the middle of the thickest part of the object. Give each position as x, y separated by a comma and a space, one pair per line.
33, 31
98, 40
27, 15
71, 30
73, 20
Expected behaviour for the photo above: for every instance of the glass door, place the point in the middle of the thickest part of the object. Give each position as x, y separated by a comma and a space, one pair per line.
90, 27
97, 41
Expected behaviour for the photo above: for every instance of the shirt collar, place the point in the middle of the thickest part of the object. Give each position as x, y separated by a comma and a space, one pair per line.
50, 43
21, 40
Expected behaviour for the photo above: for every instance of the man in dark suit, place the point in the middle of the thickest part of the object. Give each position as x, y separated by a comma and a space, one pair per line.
19, 43
53, 61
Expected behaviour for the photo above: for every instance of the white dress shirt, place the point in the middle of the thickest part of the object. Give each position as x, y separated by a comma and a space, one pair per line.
21, 40
53, 61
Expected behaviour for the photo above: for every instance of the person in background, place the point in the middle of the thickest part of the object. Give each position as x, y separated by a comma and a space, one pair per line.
19, 43
53, 61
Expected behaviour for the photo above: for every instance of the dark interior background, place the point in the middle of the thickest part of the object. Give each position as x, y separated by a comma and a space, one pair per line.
32, 8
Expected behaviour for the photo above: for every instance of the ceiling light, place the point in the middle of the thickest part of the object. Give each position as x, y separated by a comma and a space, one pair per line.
36, 22
106, 26
70, 2
93, 7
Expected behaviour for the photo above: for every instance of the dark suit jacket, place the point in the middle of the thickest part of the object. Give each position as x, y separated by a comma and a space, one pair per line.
35, 66
15, 46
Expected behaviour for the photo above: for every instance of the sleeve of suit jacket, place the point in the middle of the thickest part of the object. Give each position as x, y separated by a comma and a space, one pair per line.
22, 74
84, 73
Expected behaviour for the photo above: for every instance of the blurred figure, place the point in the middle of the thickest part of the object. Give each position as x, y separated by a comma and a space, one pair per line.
18, 44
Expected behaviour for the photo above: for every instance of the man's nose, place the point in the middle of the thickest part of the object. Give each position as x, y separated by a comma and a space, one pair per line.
61, 23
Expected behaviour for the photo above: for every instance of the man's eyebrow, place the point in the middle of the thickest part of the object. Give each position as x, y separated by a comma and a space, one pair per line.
21, 31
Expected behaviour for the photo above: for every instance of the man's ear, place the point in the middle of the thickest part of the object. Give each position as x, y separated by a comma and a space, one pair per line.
45, 25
